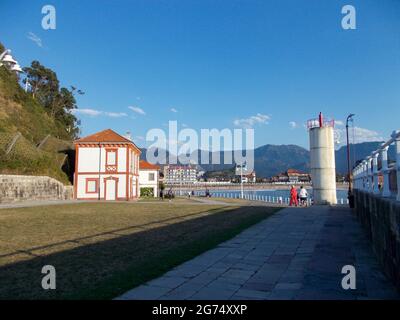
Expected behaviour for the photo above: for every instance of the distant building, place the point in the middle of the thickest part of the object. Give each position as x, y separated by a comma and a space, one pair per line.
148, 177
106, 167
247, 175
249, 178
180, 174
292, 176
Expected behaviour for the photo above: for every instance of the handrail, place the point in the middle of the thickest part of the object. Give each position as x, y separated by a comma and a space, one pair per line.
368, 177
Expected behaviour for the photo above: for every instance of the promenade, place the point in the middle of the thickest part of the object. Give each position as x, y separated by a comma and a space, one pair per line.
298, 253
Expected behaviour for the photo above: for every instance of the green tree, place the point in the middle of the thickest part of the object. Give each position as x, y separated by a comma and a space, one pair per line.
58, 102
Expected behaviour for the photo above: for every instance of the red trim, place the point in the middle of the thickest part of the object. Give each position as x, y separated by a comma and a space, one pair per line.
102, 199
105, 172
96, 180
127, 174
109, 144
116, 186
76, 172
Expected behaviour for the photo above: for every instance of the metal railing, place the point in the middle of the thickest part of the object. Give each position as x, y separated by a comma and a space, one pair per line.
258, 197
374, 174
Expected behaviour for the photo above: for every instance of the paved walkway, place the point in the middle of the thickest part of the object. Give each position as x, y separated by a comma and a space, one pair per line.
296, 254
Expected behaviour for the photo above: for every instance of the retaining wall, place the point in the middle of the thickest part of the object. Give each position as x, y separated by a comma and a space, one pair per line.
21, 188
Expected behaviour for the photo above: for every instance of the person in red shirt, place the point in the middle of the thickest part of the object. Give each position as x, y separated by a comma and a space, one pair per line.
293, 197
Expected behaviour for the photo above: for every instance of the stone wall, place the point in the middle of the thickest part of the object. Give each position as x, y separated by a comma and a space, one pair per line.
21, 188
381, 219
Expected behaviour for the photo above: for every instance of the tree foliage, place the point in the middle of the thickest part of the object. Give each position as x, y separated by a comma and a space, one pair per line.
58, 102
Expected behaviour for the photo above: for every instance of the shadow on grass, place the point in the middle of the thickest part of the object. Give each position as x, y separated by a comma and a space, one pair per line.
109, 267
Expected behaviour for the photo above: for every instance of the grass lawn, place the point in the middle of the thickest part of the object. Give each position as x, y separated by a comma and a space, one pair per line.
101, 250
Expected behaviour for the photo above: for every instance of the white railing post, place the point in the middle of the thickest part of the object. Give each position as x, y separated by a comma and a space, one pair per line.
396, 137
355, 178
385, 171
369, 174
364, 171
375, 172
354, 173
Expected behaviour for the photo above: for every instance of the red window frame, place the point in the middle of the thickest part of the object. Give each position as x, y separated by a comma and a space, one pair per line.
112, 167
96, 180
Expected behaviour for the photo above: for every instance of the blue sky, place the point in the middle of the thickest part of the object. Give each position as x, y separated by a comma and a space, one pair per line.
218, 64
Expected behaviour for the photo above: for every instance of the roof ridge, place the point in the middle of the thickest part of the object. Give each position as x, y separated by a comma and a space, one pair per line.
104, 136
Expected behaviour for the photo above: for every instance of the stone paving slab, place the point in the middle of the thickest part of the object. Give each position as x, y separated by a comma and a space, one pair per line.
298, 253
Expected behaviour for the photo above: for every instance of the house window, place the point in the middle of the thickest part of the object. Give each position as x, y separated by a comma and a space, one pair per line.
111, 157
151, 176
133, 159
92, 185
111, 160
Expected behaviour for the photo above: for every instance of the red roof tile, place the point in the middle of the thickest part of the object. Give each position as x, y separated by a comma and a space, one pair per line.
105, 136
144, 165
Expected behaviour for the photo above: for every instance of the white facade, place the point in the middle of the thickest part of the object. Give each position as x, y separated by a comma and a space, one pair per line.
106, 170
148, 178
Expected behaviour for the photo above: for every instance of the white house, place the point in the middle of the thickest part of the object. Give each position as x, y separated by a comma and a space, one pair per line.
148, 176
106, 167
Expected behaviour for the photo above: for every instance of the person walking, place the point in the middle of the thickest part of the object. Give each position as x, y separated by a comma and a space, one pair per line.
303, 194
293, 197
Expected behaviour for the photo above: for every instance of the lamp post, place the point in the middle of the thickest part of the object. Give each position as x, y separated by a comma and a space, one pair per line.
241, 181
7, 60
350, 193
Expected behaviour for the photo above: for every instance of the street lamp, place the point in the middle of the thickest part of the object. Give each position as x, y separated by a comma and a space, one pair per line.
241, 179
350, 193
7, 60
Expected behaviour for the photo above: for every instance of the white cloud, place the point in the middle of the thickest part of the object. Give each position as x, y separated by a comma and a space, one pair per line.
174, 110
293, 124
339, 123
88, 112
359, 135
95, 113
251, 121
115, 114
137, 110
35, 39
184, 125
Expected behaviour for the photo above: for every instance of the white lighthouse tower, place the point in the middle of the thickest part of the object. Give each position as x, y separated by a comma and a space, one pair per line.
322, 162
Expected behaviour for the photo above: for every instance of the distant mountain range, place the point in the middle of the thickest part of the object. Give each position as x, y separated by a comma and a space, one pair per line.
270, 160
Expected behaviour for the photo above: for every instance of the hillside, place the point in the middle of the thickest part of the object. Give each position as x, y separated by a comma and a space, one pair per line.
24, 124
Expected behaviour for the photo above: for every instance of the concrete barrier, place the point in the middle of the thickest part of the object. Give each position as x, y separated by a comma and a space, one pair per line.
380, 218
21, 188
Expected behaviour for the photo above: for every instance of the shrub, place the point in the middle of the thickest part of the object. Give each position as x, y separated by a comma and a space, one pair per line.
146, 192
